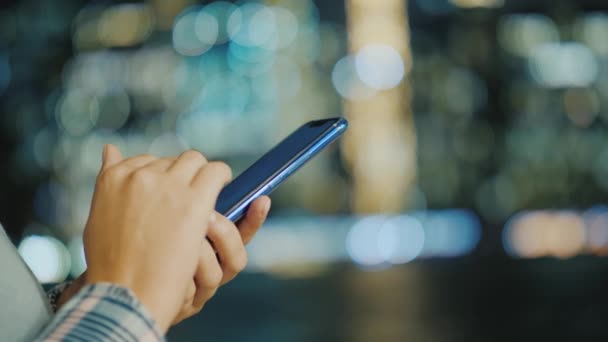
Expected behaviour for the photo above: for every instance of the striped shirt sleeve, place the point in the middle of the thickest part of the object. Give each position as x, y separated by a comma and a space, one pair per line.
54, 294
102, 312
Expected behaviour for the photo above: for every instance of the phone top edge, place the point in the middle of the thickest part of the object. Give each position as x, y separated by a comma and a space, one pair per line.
266, 187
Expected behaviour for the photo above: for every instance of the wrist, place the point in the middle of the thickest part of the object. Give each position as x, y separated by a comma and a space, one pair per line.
118, 303
147, 300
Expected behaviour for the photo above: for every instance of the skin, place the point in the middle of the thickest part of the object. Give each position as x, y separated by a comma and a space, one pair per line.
146, 227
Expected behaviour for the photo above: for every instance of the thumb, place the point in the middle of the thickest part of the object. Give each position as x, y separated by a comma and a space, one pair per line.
111, 156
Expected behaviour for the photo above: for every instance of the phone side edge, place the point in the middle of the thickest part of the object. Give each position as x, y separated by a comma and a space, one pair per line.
311, 151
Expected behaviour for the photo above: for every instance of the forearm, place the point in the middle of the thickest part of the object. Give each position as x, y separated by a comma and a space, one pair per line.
102, 312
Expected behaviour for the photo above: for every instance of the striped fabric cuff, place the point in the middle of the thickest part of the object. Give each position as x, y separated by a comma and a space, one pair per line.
103, 312
54, 294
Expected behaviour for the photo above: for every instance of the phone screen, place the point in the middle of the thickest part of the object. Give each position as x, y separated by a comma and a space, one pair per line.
272, 162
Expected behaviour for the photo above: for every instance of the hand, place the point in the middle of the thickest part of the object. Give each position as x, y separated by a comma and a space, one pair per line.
228, 241
228, 262
147, 219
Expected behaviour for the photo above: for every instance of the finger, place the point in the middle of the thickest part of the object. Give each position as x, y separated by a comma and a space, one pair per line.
254, 219
190, 293
227, 241
139, 161
111, 156
186, 310
208, 275
188, 164
211, 178
160, 165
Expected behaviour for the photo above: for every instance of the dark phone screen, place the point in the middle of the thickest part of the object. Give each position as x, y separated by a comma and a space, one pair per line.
270, 163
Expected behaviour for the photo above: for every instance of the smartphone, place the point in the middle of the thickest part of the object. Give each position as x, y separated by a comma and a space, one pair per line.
268, 172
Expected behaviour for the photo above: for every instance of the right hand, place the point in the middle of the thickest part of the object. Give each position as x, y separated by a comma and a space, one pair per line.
147, 220
222, 256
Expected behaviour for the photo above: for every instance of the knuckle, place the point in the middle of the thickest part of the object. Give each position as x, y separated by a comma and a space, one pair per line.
111, 175
238, 263
198, 305
190, 295
141, 177
194, 155
242, 261
213, 277
221, 168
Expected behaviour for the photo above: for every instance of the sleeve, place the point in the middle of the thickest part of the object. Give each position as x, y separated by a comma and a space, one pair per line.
54, 294
102, 312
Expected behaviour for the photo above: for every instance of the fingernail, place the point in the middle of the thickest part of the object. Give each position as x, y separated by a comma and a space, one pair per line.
212, 218
104, 153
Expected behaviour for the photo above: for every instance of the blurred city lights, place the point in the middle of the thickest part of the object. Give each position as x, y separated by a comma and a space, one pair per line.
347, 82
591, 29
167, 145
401, 239
220, 11
293, 247
47, 257
380, 146
385, 240
520, 34
379, 66
559, 65
125, 25
195, 32
582, 105
463, 91
252, 24
450, 233
286, 28
77, 112
370, 242
224, 75
478, 3
363, 244
114, 109
545, 233
596, 221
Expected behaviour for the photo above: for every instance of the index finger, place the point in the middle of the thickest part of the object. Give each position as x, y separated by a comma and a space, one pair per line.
210, 180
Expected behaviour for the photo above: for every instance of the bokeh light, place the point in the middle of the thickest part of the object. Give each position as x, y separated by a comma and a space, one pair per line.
195, 32
520, 34
252, 24
400, 240
596, 221
563, 65
538, 234
77, 112
125, 25
362, 242
47, 257
591, 29
379, 66
450, 233
347, 82
78, 261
